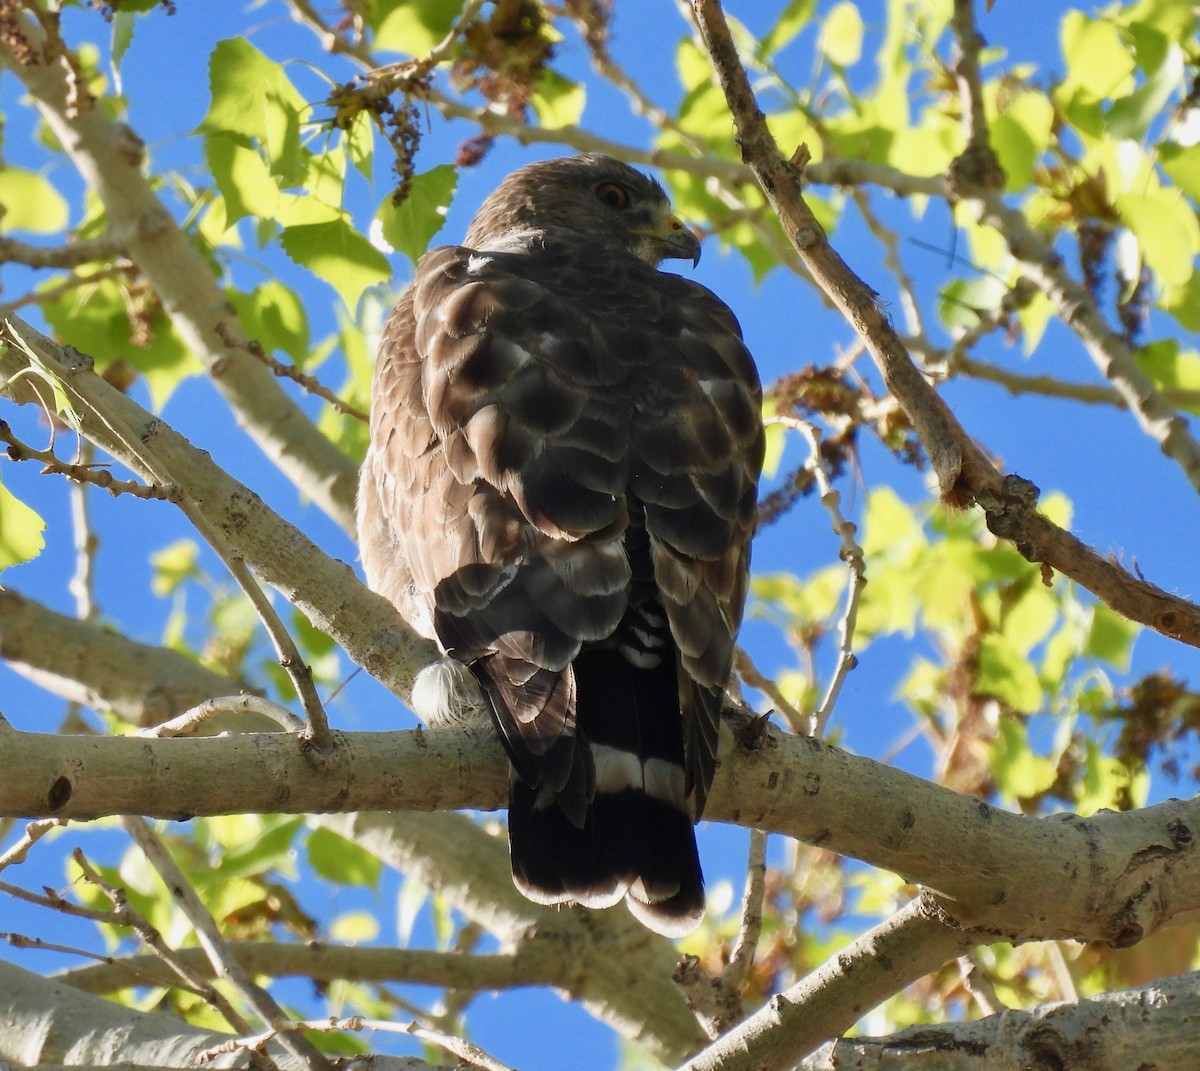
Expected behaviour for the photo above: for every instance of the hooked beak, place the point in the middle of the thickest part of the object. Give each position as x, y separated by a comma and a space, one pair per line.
680, 242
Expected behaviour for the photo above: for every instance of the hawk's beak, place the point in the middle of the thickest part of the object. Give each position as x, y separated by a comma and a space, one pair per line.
680, 242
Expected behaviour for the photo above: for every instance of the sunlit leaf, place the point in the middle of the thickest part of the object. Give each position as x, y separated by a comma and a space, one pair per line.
340, 860
558, 101
337, 253
253, 98
30, 203
1167, 231
1098, 62
20, 530
273, 315
413, 26
842, 34
410, 226
1008, 675
1019, 772
173, 565
791, 21
242, 176
354, 927
1111, 637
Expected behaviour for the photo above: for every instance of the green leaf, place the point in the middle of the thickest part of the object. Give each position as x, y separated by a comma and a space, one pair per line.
1108, 782
803, 602
965, 302
360, 144
1167, 231
1111, 637
1182, 166
558, 101
20, 530
253, 97
95, 319
1131, 116
842, 34
1183, 302
1170, 367
890, 528
1174, 19
354, 927
273, 316
1020, 135
1006, 674
265, 844
342, 861
794, 18
1019, 773
776, 440
410, 226
174, 564
1099, 64
122, 35
243, 177
30, 203
1030, 619
413, 26
337, 253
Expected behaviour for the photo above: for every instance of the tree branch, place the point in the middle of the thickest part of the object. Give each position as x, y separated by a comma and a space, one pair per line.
1153, 1026
366, 625
46, 1019
1113, 877
329, 962
109, 156
914, 941
965, 473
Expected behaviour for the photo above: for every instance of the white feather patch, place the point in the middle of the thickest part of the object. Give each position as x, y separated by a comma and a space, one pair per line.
617, 769
446, 695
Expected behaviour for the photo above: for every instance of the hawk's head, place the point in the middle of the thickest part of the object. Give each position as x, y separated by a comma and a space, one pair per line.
600, 198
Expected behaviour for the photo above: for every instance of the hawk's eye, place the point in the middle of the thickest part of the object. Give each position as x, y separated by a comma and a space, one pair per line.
613, 195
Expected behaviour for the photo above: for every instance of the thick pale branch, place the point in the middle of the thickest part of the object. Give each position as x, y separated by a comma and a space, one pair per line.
1153, 1026
914, 941
45, 1020
1111, 877
327, 591
328, 963
109, 157
88, 664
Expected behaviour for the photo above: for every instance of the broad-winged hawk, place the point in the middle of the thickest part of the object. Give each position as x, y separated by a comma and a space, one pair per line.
560, 489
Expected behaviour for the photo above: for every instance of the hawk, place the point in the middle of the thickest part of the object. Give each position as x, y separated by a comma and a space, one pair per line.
560, 490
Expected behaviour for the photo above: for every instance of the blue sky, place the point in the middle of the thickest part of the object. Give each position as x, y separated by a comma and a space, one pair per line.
1128, 499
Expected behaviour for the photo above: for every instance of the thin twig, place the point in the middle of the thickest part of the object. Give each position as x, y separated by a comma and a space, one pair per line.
742, 957
472, 1054
83, 536
969, 76
34, 832
210, 939
310, 383
124, 914
72, 255
852, 554
84, 471
755, 678
286, 650
191, 720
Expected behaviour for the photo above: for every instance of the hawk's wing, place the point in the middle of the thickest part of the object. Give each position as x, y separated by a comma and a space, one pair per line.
559, 438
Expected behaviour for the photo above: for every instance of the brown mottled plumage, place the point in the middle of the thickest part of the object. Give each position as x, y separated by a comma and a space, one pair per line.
560, 488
